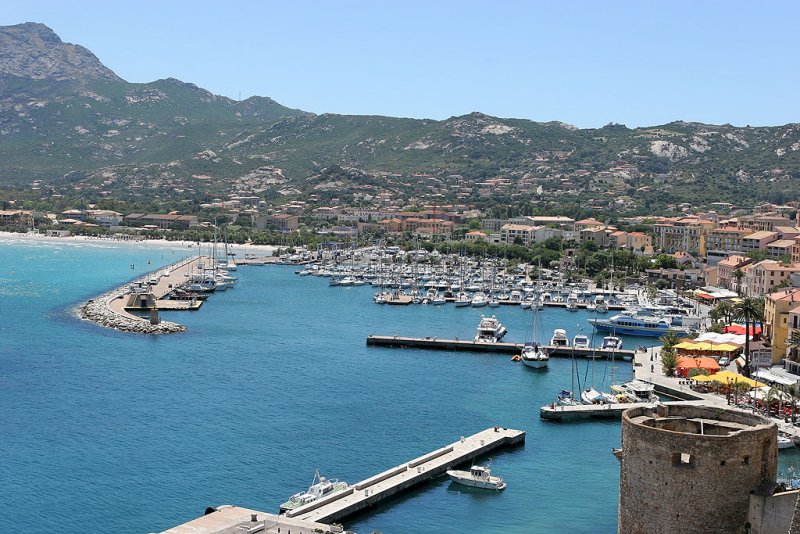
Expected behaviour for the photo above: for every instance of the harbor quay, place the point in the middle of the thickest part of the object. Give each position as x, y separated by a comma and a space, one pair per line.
112, 309
467, 345
319, 516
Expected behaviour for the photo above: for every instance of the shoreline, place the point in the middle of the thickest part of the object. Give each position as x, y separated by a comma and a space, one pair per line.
238, 249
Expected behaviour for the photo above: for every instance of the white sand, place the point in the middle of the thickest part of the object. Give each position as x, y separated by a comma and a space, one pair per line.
239, 250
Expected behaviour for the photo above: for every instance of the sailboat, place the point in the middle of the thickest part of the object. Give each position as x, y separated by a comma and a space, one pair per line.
534, 355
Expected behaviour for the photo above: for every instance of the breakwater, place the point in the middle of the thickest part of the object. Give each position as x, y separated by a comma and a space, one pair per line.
107, 310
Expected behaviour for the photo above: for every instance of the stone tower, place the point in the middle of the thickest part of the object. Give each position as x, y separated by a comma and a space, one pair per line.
686, 468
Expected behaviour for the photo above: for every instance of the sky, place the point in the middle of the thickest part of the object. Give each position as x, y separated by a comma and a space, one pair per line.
587, 63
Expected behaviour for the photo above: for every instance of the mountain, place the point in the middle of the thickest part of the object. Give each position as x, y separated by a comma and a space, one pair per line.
71, 124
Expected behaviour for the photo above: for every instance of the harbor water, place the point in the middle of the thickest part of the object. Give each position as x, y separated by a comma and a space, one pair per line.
129, 433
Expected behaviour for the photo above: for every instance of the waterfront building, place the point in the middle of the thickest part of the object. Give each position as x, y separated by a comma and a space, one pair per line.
509, 233
280, 222
161, 221
16, 218
777, 307
675, 460
685, 233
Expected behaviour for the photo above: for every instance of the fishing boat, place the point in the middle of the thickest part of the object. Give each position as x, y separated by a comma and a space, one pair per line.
478, 476
490, 330
320, 487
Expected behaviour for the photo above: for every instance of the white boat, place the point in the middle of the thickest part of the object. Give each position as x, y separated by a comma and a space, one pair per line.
533, 354
462, 300
612, 343
559, 338
785, 442
438, 300
592, 396
479, 300
478, 476
572, 302
494, 302
565, 398
490, 330
636, 391
320, 487
580, 341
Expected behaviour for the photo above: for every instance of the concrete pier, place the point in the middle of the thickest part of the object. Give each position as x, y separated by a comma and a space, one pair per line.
404, 476
316, 517
433, 343
588, 411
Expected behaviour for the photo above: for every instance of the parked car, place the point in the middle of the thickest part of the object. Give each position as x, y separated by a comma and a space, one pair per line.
724, 362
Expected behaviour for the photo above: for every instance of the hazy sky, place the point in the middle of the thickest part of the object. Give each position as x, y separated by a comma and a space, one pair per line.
583, 62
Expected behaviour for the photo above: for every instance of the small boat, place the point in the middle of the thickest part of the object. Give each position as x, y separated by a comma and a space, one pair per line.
611, 343
636, 391
559, 338
580, 341
478, 476
572, 302
784, 441
565, 398
320, 487
592, 396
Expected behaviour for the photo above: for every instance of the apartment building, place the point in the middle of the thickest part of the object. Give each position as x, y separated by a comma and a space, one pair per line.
777, 308
765, 276
727, 268
758, 240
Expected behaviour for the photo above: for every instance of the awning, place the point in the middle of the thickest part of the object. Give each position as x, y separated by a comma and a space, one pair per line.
725, 377
772, 377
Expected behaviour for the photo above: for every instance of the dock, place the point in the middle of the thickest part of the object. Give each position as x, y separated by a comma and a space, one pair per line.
406, 475
455, 345
316, 517
596, 411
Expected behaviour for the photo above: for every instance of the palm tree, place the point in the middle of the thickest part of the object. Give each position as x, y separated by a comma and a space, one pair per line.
751, 311
793, 344
738, 274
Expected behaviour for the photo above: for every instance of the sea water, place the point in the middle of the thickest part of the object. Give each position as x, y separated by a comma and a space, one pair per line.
106, 431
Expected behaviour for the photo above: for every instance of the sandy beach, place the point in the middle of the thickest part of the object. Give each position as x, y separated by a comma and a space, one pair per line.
239, 250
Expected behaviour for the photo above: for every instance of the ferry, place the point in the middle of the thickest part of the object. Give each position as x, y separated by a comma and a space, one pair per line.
637, 326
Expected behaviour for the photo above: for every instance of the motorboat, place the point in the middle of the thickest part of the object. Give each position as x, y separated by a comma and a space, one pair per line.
320, 487
478, 476
636, 391
572, 302
784, 441
612, 343
490, 330
580, 341
559, 338
462, 300
479, 300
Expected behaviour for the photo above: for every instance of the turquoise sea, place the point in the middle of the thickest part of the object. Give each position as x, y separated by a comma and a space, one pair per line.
103, 431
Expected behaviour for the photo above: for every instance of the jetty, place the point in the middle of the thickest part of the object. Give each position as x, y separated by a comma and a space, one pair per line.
113, 309
455, 345
316, 517
554, 412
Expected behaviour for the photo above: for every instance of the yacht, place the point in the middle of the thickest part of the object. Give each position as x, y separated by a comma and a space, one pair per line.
572, 302
462, 300
600, 304
479, 300
320, 487
637, 326
559, 338
636, 391
490, 330
611, 343
478, 476
580, 341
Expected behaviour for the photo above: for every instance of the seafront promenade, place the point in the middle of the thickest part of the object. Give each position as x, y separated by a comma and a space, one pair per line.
108, 309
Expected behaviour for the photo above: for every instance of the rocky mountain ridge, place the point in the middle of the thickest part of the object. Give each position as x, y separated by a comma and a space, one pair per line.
73, 125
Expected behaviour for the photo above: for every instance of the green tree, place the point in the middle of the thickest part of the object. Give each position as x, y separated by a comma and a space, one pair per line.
738, 274
751, 311
669, 340
669, 361
793, 344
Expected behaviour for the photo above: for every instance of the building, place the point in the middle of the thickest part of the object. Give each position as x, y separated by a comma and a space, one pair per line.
476, 236
758, 241
677, 278
639, 241
766, 222
686, 468
781, 248
428, 227
280, 222
765, 276
776, 319
104, 218
721, 242
687, 234
727, 269
16, 218
163, 222
517, 233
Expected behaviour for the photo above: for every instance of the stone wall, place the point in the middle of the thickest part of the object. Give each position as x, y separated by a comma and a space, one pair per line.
675, 482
